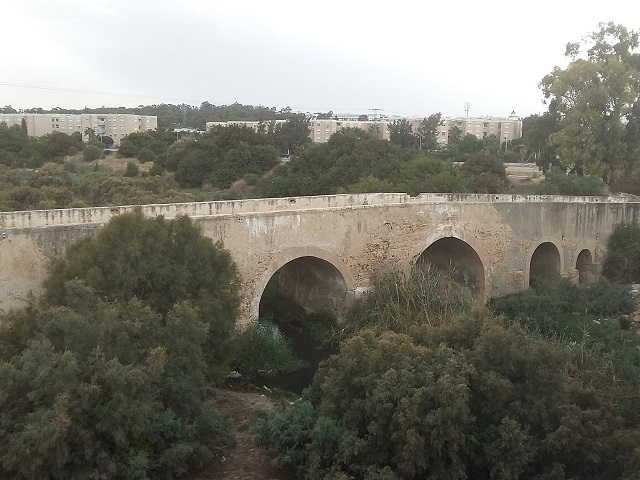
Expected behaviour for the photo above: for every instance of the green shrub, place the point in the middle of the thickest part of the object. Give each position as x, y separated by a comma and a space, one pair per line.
91, 152
156, 169
398, 303
320, 324
607, 298
131, 170
146, 155
251, 179
552, 298
262, 350
557, 182
622, 262
464, 398
111, 376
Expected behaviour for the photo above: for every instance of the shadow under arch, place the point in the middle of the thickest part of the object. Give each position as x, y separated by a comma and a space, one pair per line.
584, 265
462, 254
544, 261
316, 257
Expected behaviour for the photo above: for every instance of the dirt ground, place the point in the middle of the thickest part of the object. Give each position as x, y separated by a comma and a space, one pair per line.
523, 173
244, 461
118, 165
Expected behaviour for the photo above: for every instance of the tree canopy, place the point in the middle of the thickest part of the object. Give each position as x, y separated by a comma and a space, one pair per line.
422, 389
595, 101
111, 376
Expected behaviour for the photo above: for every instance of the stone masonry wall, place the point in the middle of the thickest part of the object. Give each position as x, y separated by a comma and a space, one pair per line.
355, 233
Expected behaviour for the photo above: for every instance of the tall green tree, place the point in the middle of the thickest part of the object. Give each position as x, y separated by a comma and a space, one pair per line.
111, 376
293, 134
160, 263
401, 133
455, 135
428, 131
593, 99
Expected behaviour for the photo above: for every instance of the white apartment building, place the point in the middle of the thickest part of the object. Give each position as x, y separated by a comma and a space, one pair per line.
115, 126
504, 128
320, 130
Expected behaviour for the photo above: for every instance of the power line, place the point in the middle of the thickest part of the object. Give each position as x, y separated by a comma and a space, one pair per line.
76, 90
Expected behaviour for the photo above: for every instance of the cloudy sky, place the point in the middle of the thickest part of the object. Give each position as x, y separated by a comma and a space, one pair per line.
403, 57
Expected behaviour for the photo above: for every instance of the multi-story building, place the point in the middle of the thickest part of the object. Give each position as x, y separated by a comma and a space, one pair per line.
115, 126
320, 130
504, 128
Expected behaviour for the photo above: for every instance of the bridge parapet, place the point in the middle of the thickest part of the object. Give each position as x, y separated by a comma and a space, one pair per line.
495, 242
101, 215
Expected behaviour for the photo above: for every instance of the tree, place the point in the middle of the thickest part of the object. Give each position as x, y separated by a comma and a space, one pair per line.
428, 131
469, 144
622, 262
455, 135
91, 152
161, 263
593, 99
557, 182
131, 170
57, 145
401, 133
457, 396
111, 376
293, 134
537, 134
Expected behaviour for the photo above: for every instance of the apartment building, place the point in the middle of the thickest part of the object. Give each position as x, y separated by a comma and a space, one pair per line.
504, 128
320, 130
112, 125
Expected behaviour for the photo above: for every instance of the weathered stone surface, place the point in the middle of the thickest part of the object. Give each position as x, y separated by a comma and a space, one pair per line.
354, 233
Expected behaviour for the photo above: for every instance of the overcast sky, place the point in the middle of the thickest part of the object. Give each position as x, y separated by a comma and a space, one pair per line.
403, 57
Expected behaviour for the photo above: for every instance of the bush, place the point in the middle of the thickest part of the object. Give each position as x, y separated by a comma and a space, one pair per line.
557, 182
131, 170
91, 153
469, 398
262, 350
146, 155
398, 303
156, 169
111, 377
622, 262
608, 298
251, 179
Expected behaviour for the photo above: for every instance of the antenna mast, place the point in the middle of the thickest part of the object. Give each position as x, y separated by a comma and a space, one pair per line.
466, 108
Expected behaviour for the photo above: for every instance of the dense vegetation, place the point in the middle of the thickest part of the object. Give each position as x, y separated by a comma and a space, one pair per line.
623, 253
111, 374
184, 116
424, 388
592, 126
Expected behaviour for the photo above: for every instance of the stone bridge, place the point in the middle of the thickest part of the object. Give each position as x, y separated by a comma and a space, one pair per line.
325, 249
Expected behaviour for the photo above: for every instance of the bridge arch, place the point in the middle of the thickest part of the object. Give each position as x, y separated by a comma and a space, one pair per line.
316, 258
464, 253
584, 266
544, 260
